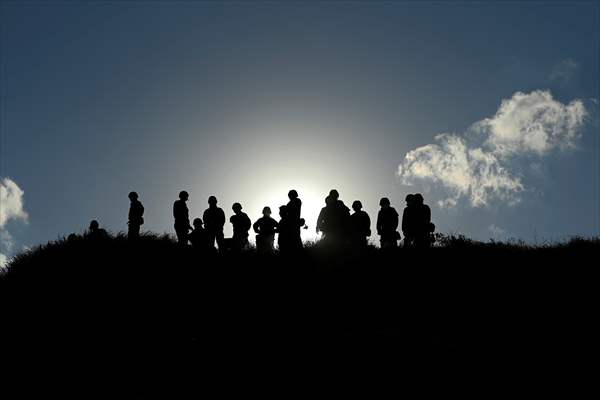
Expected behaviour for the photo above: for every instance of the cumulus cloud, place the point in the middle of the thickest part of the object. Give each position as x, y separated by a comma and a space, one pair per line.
480, 167
532, 123
11, 208
564, 70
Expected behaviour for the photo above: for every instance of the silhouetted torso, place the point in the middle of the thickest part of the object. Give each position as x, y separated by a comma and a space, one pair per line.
387, 225
136, 218
265, 226
181, 213
361, 227
199, 239
214, 220
241, 225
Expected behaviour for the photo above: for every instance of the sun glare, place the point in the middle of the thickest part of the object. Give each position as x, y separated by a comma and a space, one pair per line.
313, 199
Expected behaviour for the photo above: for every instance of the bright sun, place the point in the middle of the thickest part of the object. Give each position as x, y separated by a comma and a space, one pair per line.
313, 199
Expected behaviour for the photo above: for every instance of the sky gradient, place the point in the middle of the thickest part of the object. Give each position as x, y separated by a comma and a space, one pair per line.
248, 100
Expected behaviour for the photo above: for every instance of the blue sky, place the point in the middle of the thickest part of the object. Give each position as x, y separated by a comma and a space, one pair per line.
247, 100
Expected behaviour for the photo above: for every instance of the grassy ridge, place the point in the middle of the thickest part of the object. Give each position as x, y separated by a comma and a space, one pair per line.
132, 302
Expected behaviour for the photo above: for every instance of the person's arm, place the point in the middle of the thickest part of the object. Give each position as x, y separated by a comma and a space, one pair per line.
319, 221
427, 214
222, 217
255, 226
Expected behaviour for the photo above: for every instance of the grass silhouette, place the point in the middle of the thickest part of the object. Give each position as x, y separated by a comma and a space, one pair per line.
135, 302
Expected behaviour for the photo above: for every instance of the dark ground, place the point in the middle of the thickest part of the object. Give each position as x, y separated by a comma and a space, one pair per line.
147, 313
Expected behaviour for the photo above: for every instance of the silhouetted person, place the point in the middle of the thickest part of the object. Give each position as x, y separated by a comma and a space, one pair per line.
322, 218
360, 224
336, 220
136, 216
423, 226
199, 238
241, 225
293, 213
265, 228
409, 221
214, 221
95, 232
387, 224
285, 229
182, 218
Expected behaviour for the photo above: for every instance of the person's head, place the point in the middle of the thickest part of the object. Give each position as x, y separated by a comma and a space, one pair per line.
292, 194
236, 207
266, 211
212, 201
410, 199
94, 225
197, 223
282, 211
183, 195
133, 196
384, 202
329, 201
334, 194
357, 205
418, 198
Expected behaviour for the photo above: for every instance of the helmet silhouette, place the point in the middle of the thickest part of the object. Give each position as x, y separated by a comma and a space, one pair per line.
236, 207
183, 195
292, 194
132, 195
384, 201
334, 194
357, 205
212, 200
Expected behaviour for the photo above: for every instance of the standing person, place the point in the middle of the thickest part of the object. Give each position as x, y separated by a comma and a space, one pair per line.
296, 222
408, 221
323, 217
182, 218
387, 224
338, 220
265, 228
360, 224
241, 225
284, 230
136, 216
423, 225
214, 221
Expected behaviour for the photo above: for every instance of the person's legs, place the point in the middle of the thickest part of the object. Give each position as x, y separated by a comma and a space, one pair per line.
134, 231
220, 240
182, 235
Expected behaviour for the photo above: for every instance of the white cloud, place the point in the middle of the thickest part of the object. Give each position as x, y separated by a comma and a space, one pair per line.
532, 123
11, 202
564, 70
11, 208
526, 124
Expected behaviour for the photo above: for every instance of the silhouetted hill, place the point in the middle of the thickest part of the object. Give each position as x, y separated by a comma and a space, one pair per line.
132, 304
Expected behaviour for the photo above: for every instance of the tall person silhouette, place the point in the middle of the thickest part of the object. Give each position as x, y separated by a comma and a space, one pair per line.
136, 216
241, 225
293, 211
182, 218
423, 225
408, 221
387, 224
214, 221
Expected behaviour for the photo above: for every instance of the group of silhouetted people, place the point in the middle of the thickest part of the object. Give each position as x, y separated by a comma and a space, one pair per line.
335, 222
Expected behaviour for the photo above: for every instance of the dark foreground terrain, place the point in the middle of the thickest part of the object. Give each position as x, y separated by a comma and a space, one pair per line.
110, 312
